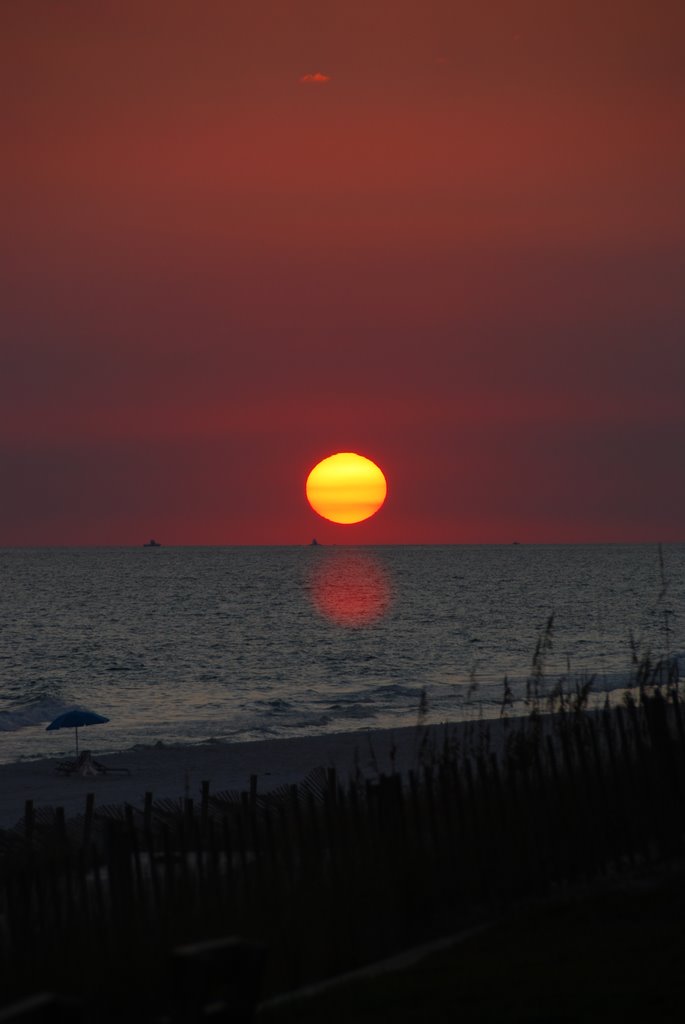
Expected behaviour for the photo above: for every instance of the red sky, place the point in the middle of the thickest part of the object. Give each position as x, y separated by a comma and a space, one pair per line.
462, 256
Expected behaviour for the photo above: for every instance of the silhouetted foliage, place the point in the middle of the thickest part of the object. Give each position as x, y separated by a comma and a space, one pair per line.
328, 875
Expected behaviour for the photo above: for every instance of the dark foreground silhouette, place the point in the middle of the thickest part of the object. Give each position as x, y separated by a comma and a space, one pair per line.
276, 891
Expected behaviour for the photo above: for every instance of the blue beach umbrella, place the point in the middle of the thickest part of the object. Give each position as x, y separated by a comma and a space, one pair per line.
74, 719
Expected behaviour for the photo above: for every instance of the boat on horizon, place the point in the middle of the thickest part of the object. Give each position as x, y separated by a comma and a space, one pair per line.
152, 543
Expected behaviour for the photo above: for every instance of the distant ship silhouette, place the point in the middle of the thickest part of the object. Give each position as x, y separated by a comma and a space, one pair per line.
314, 542
152, 543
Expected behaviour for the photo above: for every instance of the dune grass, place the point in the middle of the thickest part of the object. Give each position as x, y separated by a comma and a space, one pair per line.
337, 873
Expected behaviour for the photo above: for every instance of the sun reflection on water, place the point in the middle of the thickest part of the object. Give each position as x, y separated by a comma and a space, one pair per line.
350, 588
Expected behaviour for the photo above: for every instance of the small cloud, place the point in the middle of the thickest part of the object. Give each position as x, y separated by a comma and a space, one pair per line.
318, 78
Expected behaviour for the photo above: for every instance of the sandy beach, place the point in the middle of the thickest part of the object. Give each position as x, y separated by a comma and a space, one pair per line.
171, 772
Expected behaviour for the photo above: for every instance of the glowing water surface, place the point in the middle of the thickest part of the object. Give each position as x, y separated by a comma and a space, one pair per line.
186, 645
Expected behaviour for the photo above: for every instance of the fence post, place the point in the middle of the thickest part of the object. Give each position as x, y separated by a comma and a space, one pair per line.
88, 819
147, 815
204, 808
29, 819
60, 827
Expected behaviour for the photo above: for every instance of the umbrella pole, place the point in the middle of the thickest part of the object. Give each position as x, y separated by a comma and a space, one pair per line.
76, 735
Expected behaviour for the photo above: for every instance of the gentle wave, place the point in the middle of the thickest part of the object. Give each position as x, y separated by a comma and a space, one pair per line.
43, 711
184, 645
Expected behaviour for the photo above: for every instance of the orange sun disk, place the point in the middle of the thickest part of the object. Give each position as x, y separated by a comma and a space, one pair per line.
346, 488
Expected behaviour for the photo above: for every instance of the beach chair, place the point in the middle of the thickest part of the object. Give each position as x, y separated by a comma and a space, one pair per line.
83, 765
87, 765
104, 769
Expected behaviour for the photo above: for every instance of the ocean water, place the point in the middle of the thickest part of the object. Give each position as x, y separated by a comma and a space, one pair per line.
194, 645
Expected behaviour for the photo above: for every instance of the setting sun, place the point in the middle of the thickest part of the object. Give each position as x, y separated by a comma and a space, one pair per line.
346, 488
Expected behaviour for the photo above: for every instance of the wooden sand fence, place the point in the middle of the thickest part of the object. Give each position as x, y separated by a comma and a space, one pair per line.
327, 876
